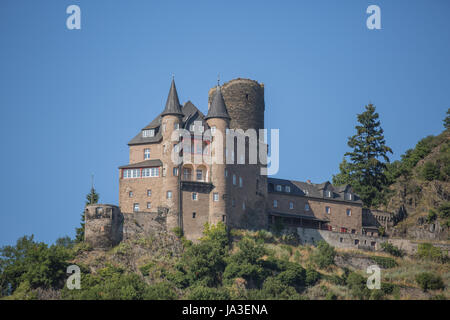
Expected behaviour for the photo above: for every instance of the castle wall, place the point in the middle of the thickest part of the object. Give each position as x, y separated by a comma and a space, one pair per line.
103, 225
139, 187
137, 152
337, 218
193, 226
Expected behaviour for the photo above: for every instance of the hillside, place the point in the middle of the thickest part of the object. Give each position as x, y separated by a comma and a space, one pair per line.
420, 192
236, 264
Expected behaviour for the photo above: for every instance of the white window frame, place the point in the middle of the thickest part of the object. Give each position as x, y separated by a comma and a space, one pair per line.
148, 133
169, 194
135, 207
149, 205
146, 153
275, 203
215, 196
287, 188
194, 196
328, 210
291, 205
149, 192
348, 212
278, 188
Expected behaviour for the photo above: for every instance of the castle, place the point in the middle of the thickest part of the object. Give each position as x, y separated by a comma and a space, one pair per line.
157, 194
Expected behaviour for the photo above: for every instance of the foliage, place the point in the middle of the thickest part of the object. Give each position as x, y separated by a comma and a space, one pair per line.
384, 262
365, 170
323, 257
429, 281
178, 231
34, 262
430, 252
357, 286
447, 120
206, 293
430, 171
392, 250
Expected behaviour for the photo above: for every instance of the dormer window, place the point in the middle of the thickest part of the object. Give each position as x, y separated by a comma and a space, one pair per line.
348, 196
148, 133
279, 188
287, 189
213, 130
328, 193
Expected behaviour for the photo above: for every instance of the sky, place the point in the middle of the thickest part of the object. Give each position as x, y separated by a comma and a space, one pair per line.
71, 100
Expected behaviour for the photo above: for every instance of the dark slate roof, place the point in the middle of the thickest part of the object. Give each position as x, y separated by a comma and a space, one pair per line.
306, 189
190, 114
144, 164
173, 104
218, 108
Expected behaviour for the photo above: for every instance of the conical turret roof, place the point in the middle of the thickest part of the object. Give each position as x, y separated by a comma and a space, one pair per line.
218, 108
173, 104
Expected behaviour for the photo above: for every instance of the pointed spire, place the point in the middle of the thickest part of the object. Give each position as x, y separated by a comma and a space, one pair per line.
172, 104
218, 108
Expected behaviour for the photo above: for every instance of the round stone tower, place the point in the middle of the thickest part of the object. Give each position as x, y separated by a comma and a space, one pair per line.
171, 121
244, 99
103, 225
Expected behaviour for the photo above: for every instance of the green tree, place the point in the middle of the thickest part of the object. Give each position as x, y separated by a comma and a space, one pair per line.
447, 120
366, 167
323, 257
91, 198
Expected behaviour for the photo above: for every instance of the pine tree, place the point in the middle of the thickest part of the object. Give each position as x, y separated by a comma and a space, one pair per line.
365, 170
91, 198
447, 120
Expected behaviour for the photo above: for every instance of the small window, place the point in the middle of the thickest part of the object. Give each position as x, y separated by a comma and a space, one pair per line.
130, 194
233, 203
234, 179
349, 212
226, 173
215, 196
169, 195
199, 174
275, 203
287, 189
329, 194
278, 187
224, 218
149, 193
213, 129
146, 153
291, 205
328, 210
243, 205
241, 182
341, 239
164, 171
356, 241
194, 196
192, 127
176, 126
175, 171
193, 215
148, 133
149, 205
136, 207
306, 207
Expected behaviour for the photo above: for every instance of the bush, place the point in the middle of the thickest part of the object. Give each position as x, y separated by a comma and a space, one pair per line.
323, 257
357, 285
431, 216
205, 293
392, 250
444, 210
430, 171
293, 276
274, 288
312, 276
430, 252
160, 291
428, 281
384, 262
178, 232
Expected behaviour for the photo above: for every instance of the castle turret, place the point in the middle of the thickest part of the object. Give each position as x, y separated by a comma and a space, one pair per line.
218, 120
171, 119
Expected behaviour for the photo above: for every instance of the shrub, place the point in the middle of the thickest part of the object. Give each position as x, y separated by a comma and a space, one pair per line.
330, 296
274, 288
293, 276
357, 285
429, 281
160, 291
323, 257
312, 276
444, 210
392, 250
431, 216
178, 232
206, 293
430, 171
430, 252
384, 262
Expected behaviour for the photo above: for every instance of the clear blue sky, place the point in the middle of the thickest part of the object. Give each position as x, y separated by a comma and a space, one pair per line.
71, 99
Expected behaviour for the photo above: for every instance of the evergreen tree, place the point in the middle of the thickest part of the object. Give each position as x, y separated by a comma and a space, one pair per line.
447, 120
91, 198
365, 170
